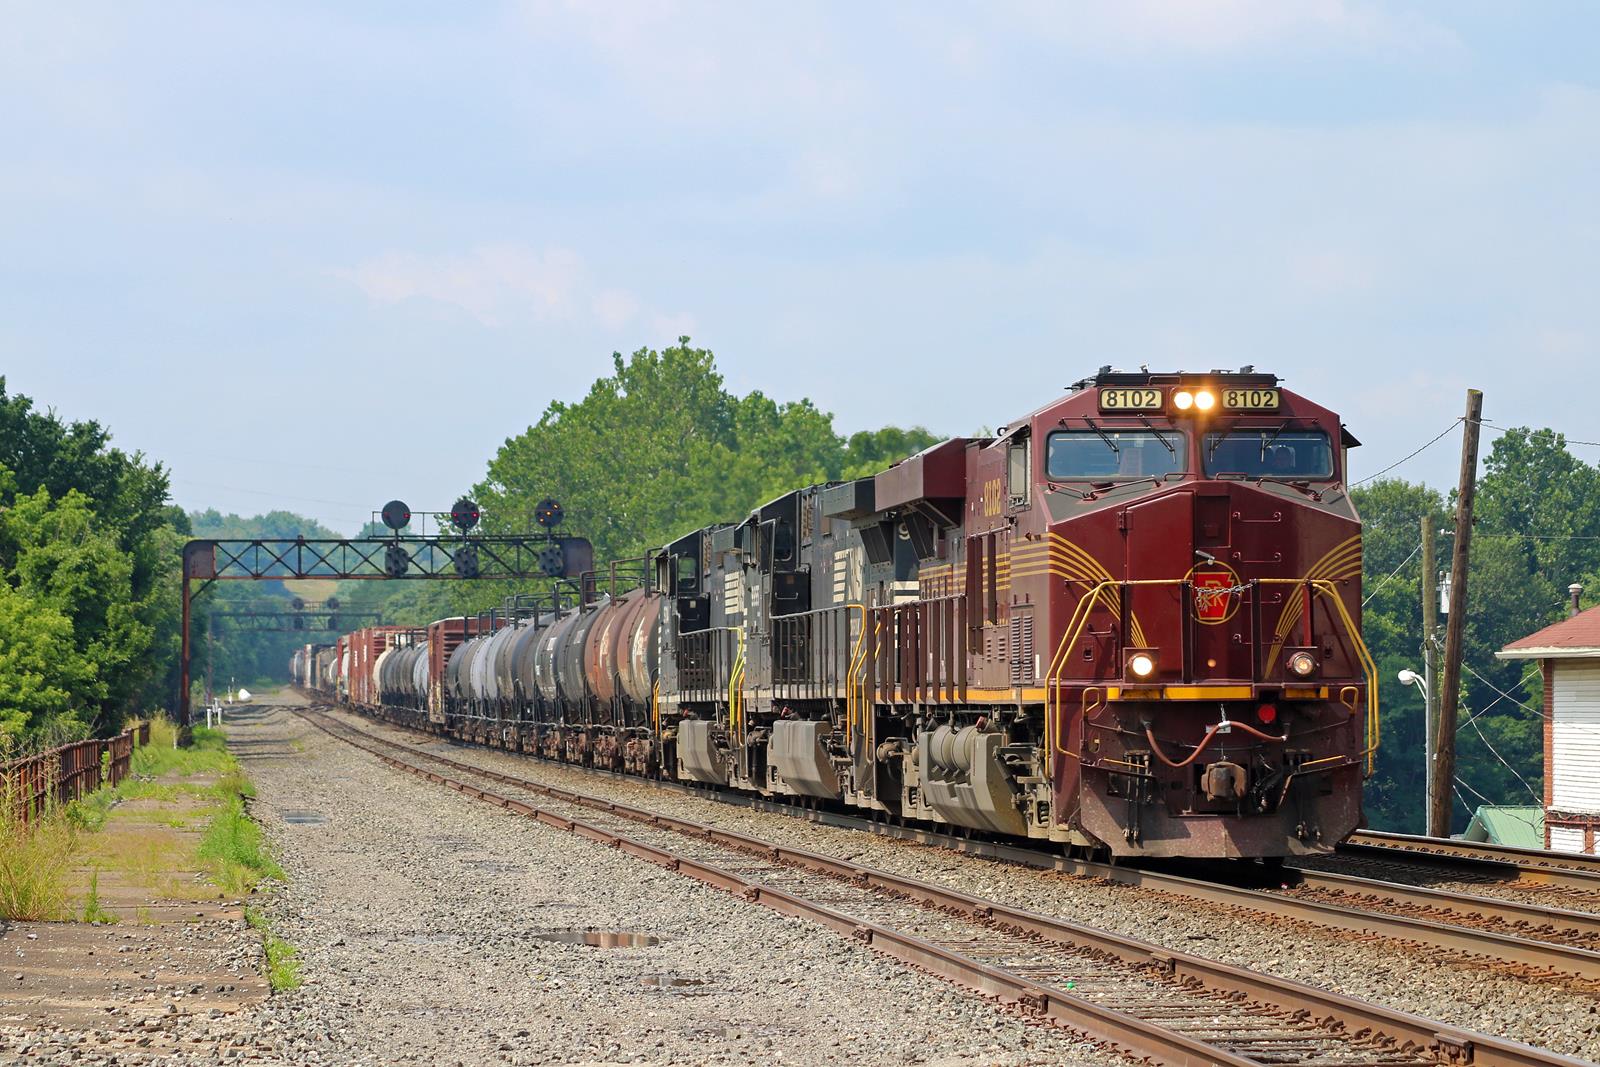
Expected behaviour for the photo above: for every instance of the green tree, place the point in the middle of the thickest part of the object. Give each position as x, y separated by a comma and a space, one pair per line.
1391, 514
659, 447
42, 676
1537, 529
83, 532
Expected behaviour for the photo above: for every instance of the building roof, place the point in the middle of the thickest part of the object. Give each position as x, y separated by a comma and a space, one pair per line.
1520, 827
1575, 637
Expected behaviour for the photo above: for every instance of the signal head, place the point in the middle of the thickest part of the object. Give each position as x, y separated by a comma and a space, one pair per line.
396, 515
548, 513
464, 515
552, 561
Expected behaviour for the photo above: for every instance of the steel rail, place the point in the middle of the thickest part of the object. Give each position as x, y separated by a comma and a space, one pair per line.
1572, 870
1544, 957
1363, 1020
1510, 912
1491, 946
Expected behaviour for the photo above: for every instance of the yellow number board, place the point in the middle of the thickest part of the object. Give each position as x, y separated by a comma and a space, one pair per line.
1250, 400
1130, 399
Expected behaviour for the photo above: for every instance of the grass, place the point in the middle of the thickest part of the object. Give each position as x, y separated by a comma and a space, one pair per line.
92, 911
233, 844
202, 787
208, 754
283, 959
35, 860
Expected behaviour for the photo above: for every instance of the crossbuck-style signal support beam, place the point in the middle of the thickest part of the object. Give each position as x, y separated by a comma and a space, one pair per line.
451, 557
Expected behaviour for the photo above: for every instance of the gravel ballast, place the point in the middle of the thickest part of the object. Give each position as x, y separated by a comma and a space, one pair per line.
1541, 1012
421, 916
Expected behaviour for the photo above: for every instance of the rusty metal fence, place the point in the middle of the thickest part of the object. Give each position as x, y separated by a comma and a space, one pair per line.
34, 784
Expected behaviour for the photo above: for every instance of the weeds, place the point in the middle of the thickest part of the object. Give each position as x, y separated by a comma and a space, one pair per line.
35, 857
207, 755
92, 911
203, 787
233, 843
88, 814
34, 862
283, 959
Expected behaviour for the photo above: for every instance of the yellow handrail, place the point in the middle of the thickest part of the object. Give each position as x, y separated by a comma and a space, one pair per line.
1368, 667
862, 706
1085, 607
1069, 637
857, 654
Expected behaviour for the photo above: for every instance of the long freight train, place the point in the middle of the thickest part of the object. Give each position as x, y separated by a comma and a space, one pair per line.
1128, 622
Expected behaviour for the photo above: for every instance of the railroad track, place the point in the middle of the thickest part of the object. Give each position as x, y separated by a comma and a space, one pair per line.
1135, 997
1524, 866
1524, 940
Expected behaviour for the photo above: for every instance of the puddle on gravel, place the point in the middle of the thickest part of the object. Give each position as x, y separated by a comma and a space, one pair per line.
601, 938
302, 816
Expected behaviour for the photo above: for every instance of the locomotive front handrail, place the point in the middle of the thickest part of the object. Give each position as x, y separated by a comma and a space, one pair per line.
856, 656
1085, 608
736, 689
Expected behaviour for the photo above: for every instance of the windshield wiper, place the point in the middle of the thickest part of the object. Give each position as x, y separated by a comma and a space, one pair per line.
1158, 435
1267, 441
1109, 442
1055, 487
1303, 486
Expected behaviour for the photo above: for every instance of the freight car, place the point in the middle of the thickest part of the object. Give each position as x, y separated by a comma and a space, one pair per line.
1128, 622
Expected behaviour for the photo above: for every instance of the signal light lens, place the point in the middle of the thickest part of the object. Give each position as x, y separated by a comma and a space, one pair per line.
1142, 664
1204, 401
1303, 664
1267, 713
1183, 400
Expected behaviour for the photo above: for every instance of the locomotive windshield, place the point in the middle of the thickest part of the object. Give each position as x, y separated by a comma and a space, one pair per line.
1110, 454
1269, 453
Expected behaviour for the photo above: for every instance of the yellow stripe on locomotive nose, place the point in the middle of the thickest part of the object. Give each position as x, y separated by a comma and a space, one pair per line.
1182, 692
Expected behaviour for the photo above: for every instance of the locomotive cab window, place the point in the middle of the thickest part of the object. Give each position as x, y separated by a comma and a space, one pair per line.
1018, 473
1269, 453
1112, 454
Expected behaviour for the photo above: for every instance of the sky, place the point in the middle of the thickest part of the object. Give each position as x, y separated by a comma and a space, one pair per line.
313, 257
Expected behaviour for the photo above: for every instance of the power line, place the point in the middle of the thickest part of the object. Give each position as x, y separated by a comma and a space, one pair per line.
1398, 462
1503, 694
1537, 799
1392, 573
1564, 438
1462, 783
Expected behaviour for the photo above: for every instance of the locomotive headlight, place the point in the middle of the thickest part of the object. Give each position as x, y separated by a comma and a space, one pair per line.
1302, 664
1141, 664
1204, 400
1183, 400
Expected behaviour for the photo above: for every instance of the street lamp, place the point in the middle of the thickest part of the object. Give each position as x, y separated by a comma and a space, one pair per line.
1408, 676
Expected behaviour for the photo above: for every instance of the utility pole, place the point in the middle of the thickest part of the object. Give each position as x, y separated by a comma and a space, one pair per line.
1444, 759
1430, 621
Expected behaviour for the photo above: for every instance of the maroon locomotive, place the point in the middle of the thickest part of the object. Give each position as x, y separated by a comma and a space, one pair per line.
1128, 623
1186, 551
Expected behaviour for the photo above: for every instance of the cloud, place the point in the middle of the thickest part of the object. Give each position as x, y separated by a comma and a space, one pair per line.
510, 284
492, 283
1226, 26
